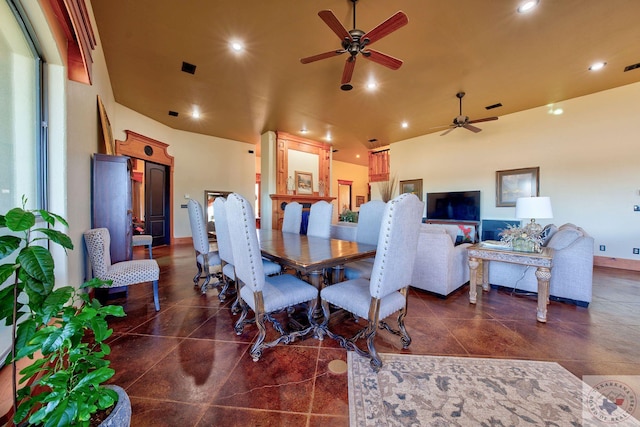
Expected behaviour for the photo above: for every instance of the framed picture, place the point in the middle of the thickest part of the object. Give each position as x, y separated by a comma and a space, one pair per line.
359, 201
514, 183
109, 145
413, 186
304, 182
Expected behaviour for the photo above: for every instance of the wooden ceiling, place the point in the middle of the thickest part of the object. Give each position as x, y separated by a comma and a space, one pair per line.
483, 48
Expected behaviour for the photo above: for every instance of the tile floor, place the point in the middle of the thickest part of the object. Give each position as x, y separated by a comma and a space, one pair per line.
185, 366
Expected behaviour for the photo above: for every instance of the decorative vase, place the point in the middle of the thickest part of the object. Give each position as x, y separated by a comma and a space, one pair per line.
523, 245
121, 414
290, 186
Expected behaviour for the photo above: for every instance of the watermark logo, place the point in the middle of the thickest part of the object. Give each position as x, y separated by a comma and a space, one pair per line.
612, 399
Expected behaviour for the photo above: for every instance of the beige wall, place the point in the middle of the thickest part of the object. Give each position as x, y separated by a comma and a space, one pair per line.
589, 161
200, 162
348, 172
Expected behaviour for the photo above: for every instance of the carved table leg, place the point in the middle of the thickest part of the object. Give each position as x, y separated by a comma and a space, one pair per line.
316, 278
485, 275
473, 276
544, 276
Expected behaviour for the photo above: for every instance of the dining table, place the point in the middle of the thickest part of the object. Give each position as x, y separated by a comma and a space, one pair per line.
319, 259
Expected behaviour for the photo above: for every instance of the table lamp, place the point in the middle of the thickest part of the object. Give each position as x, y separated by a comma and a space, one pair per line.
533, 207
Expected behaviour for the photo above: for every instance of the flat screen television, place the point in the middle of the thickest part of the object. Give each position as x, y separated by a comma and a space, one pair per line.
454, 206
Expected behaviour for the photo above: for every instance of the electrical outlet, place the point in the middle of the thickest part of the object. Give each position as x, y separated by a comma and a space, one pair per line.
603, 248
636, 251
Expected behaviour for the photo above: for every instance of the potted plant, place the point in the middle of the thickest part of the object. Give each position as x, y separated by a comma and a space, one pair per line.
61, 329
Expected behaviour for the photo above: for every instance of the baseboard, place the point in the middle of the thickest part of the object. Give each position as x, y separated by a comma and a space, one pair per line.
621, 263
182, 240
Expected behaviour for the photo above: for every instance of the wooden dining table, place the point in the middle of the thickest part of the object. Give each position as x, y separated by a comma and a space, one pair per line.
320, 259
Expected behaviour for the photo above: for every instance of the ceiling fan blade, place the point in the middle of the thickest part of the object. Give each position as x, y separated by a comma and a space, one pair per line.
447, 131
382, 59
486, 119
471, 128
348, 70
336, 26
385, 28
320, 56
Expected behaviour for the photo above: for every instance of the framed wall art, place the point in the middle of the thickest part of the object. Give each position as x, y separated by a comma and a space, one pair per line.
514, 183
413, 186
304, 182
359, 201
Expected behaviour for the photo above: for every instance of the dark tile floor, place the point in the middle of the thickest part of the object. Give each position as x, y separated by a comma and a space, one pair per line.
185, 366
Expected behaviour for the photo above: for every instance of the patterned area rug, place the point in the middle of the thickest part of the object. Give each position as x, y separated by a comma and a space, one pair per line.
414, 390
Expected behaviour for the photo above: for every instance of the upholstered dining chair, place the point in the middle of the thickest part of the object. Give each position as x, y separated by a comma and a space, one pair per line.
263, 294
320, 219
386, 292
124, 273
206, 259
225, 250
367, 231
292, 218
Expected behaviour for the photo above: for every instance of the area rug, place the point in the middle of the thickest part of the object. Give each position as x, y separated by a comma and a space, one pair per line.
412, 390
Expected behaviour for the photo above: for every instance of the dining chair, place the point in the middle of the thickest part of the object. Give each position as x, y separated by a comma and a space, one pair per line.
206, 259
292, 218
143, 240
265, 295
367, 231
123, 273
320, 219
386, 292
225, 250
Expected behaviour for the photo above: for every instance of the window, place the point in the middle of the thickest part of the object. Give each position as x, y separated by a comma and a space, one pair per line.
22, 136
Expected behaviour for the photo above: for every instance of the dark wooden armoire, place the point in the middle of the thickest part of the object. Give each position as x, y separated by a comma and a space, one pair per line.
111, 202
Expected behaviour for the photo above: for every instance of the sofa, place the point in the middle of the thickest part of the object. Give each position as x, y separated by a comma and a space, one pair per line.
572, 271
440, 266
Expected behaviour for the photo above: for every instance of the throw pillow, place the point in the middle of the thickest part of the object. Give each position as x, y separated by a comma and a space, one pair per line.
548, 231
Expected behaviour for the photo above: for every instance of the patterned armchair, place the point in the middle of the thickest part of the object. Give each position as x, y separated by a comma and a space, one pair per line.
124, 273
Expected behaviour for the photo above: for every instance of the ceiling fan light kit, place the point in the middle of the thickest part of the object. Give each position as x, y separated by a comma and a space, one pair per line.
357, 42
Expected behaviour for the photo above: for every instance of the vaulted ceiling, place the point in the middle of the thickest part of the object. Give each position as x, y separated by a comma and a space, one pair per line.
484, 48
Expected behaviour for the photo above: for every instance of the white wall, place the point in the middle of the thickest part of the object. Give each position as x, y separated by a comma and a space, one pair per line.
200, 162
589, 161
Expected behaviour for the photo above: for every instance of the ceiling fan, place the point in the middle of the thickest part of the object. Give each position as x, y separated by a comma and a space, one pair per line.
463, 121
357, 41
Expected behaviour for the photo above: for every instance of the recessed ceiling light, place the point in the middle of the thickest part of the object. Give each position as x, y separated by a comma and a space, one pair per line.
557, 111
405, 125
357, 156
195, 113
597, 66
328, 137
372, 85
236, 46
304, 130
527, 6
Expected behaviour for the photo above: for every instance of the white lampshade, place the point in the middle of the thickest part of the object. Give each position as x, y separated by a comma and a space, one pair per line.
533, 207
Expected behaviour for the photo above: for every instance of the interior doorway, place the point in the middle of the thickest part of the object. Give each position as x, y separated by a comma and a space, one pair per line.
152, 189
344, 196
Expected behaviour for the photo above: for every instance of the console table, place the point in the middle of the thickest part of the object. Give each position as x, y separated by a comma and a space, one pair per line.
543, 261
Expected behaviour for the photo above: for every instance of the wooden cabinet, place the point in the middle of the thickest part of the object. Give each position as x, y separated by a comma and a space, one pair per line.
111, 202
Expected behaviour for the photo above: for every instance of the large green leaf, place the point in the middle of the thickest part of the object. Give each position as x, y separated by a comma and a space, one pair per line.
94, 378
51, 218
8, 245
56, 300
6, 270
3, 221
37, 262
57, 236
26, 331
100, 329
19, 220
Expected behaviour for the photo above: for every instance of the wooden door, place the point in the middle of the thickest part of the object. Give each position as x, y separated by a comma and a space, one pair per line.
156, 190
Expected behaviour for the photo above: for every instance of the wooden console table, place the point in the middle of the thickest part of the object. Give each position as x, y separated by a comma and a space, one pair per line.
543, 261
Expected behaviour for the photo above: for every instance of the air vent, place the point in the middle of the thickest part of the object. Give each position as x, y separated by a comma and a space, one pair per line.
491, 107
334, 151
188, 68
632, 67
372, 140
173, 113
